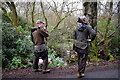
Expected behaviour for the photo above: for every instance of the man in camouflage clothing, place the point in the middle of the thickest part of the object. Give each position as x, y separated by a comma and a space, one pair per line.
81, 36
38, 34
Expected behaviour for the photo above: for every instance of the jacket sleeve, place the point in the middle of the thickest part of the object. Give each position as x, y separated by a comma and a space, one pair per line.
33, 29
74, 34
32, 37
44, 33
92, 32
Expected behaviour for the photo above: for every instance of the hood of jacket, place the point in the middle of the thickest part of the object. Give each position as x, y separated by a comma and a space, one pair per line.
81, 27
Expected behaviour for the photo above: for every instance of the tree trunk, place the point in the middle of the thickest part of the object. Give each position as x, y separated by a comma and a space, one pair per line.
119, 14
32, 14
107, 30
14, 12
90, 10
27, 14
94, 21
94, 14
86, 8
6, 14
118, 27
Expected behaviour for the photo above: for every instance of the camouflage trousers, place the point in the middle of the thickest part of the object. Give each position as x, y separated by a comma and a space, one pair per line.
44, 56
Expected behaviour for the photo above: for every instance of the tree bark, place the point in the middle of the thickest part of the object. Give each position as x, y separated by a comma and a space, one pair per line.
90, 10
118, 27
27, 14
119, 14
13, 9
94, 14
107, 30
6, 14
93, 19
32, 14
86, 7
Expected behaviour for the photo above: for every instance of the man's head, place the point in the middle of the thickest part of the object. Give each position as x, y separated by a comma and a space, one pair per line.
39, 22
82, 19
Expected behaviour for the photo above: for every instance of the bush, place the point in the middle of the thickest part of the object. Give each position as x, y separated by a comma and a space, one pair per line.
114, 45
55, 61
17, 47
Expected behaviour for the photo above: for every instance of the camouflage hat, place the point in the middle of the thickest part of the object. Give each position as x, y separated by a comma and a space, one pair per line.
39, 21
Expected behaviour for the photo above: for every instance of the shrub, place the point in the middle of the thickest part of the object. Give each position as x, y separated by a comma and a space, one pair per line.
55, 61
17, 47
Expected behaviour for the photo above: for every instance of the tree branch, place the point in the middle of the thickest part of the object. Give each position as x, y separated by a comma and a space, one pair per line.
6, 14
43, 13
56, 10
13, 9
58, 23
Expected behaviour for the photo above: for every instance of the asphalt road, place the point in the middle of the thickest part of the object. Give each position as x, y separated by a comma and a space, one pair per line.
106, 70
97, 74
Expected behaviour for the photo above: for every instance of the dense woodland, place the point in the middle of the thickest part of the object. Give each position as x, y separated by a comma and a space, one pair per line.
60, 19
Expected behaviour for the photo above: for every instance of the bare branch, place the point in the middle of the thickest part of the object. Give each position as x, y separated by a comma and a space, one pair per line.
58, 23
43, 13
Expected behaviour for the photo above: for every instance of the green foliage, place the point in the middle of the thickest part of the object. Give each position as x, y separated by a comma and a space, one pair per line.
60, 41
17, 47
93, 58
111, 58
71, 57
55, 61
113, 38
114, 45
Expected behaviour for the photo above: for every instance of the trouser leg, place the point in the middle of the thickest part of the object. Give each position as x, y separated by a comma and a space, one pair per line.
82, 58
79, 62
35, 62
45, 61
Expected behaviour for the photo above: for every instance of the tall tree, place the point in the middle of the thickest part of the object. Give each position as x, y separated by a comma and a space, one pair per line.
86, 8
93, 18
32, 13
12, 19
94, 15
27, 9
13, 9
107, 30
6, 14
118, 30
119, 13
90, 10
